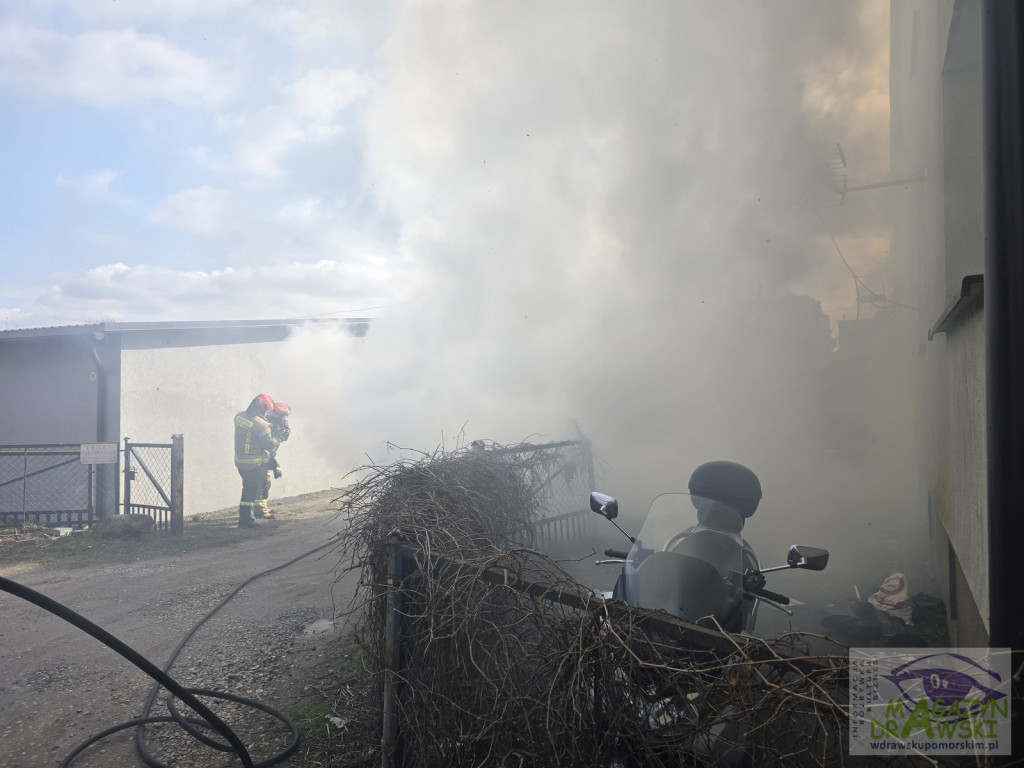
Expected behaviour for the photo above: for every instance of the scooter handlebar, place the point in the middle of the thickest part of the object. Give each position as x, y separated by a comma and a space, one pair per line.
775, 597
616, 553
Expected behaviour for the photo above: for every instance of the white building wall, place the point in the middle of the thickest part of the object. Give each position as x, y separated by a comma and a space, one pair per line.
196, 391
935, 84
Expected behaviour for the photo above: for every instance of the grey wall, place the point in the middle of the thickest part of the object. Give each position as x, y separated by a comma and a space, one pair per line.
50, 390
63, 389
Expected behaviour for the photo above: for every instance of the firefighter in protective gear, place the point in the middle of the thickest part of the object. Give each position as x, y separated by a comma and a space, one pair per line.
280, 430
255, 447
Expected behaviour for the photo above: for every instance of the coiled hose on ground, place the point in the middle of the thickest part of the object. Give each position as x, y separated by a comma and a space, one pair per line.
207, 719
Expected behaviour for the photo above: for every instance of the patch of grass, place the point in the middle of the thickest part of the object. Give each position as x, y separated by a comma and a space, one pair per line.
91, 546
204, 531
316, 734
332, 714
13, 533
350, 664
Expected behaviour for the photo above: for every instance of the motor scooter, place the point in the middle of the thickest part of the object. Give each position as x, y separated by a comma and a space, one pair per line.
690, 560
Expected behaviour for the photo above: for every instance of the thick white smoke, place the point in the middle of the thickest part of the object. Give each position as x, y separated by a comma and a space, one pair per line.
613, 215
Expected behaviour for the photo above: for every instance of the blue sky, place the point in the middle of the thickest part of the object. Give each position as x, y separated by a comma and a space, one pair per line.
152, 150
228, 159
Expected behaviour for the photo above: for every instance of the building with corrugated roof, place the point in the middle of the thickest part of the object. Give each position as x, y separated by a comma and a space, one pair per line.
104, 382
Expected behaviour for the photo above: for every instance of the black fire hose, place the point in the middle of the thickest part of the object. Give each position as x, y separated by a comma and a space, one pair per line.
208, 719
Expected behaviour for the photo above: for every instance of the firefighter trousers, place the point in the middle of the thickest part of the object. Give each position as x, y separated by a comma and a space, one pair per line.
252, 487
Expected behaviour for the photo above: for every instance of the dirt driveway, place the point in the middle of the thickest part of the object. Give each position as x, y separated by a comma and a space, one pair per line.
59, 686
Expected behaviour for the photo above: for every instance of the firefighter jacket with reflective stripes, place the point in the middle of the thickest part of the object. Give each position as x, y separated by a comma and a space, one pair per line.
254, 445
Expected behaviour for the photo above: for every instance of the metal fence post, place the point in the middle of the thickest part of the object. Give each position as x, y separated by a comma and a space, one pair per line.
177, 485
24, 487
92, 493
392, 654
117, 485
127, 477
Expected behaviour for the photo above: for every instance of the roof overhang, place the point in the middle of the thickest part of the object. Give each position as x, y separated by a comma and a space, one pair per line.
188, 333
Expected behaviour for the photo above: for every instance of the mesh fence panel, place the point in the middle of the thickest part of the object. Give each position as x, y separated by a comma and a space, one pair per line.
157, 460
45, 484
561, 476
568, 488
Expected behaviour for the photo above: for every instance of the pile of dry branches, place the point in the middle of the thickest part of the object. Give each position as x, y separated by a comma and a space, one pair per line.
499, 657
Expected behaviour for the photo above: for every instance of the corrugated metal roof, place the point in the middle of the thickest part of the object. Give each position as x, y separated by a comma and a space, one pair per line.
175, 325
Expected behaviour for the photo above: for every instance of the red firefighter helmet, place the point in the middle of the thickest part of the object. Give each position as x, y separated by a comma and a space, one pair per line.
264, 403
280, 410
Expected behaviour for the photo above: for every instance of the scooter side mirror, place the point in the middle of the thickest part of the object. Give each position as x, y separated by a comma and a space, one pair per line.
808, 558
604, 505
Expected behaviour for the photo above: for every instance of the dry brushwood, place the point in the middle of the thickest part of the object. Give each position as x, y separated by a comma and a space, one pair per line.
505, 659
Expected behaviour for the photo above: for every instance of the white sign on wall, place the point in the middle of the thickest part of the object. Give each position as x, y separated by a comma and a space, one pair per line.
99, 453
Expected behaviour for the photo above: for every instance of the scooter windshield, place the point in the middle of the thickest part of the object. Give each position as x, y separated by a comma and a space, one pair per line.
688, 560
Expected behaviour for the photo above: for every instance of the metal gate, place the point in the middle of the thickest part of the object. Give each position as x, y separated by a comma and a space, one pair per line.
47, 485
154, 482
562, 477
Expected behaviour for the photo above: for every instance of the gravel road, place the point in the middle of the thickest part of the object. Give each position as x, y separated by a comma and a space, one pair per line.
59, 686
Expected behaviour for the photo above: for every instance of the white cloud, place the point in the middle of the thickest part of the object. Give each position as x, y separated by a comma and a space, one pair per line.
308, 21
273, 291
202, 210
108, 67
203, 157
300, 212
165, 10
97, 183
97, 186
323, 93
309, 112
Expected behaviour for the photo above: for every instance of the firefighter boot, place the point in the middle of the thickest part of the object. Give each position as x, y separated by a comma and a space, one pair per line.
245, 519
261, 510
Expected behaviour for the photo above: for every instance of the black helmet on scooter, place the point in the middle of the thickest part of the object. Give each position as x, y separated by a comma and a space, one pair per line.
729, 483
